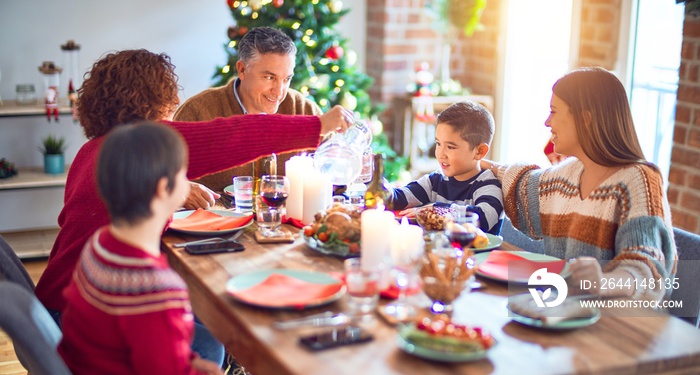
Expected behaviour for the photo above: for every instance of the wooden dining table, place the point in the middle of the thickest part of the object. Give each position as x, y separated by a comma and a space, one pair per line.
623, 341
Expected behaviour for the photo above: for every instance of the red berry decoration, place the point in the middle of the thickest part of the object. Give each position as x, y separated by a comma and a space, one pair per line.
334, 52
277, 3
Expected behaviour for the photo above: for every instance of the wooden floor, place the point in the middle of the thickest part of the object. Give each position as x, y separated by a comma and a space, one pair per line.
9, 365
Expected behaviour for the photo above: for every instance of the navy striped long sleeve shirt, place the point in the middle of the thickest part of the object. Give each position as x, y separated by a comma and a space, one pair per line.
481, 194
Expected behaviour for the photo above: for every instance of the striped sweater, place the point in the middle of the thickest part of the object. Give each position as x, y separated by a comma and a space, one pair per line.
127, 312
625, 222
481, 194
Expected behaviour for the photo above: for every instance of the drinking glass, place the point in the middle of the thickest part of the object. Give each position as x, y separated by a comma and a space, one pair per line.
363, 287
274, 190
243, 193
406, 263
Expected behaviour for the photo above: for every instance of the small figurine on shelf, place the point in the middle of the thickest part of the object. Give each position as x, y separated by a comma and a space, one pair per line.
72, 97
71, 51
424, 81
50, 72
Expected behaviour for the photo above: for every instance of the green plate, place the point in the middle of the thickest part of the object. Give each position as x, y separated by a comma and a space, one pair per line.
249, 280
184, 214
573, 323
481, 257
229, 190
436, 355
341, 251
494, 243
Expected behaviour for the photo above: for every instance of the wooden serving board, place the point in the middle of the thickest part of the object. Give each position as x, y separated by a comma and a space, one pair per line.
288, 237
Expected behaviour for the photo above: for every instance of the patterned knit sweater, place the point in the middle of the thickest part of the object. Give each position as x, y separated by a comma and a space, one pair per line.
625, 222
128, 313
213, 146
221, 102
481, 194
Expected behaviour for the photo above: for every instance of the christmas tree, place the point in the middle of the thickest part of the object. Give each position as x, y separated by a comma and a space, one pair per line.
325, 66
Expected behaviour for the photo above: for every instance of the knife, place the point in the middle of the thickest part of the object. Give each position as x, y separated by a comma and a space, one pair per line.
325, 319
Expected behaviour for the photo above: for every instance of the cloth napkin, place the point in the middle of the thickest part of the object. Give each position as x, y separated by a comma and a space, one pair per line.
203, 220
496, 266
570, 309
292, 221
391, 292
280, 290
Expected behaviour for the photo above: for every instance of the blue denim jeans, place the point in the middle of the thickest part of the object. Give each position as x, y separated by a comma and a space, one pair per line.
204, 343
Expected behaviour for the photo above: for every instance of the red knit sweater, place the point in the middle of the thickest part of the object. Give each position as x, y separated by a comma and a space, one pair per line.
127, 312
213, 145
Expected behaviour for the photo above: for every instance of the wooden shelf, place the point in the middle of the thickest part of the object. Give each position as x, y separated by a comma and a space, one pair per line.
10, 108
32, 178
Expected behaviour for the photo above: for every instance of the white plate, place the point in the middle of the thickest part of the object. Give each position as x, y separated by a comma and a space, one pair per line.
184, 214
481, 257
251, 279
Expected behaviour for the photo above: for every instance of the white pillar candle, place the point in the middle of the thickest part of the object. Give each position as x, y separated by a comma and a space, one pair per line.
376, 228
407, 243
318, 193
296, 167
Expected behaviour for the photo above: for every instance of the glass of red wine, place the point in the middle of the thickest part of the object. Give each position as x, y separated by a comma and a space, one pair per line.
274, 190
462, 230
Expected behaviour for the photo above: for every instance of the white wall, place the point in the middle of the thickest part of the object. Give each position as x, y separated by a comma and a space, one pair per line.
191, 32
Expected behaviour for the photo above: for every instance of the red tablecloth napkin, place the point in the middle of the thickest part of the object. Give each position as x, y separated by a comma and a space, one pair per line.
296, 222
392, 292
203, 220
496, 266
279, 290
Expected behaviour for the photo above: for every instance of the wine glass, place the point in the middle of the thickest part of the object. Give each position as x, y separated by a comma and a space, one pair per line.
274, 190
462, 229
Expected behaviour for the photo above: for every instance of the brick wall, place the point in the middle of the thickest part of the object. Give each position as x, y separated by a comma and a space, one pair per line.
400, 36
599, 34
684, 175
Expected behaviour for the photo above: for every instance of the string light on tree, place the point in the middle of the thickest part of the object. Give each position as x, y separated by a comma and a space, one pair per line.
335, 6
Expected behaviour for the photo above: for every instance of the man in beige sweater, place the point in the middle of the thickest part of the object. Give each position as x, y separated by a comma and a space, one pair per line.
265, 68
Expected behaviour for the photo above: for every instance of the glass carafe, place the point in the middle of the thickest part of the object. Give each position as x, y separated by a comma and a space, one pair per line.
340, 157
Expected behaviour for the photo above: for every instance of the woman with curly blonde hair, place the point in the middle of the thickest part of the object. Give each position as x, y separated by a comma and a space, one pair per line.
134, 85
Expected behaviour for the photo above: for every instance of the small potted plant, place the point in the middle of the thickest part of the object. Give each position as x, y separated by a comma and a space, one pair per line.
53, 148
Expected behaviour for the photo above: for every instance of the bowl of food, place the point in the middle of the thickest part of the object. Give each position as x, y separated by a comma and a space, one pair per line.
445, 275
432, 217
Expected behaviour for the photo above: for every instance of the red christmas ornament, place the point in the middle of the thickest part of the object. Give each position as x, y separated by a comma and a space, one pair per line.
277, 3
230, 3
334, 52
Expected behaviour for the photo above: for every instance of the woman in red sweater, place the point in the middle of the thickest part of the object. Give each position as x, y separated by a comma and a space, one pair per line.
133, 85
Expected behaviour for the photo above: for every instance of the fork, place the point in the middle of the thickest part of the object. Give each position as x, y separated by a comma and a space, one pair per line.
208, 240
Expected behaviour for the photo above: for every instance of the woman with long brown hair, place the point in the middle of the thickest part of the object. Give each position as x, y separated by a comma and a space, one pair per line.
604, 206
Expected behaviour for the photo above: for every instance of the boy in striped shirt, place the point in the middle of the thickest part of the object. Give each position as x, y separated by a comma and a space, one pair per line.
462, 137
